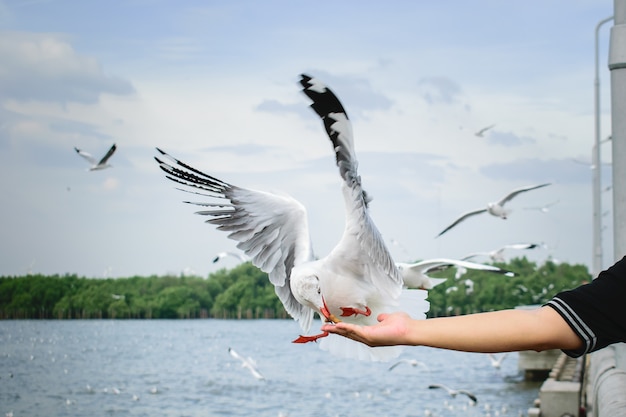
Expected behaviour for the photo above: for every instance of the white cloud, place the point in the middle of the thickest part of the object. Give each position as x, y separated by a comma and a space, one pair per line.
46, 67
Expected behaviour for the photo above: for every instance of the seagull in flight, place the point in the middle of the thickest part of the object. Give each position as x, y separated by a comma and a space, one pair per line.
415, 275
246, 363
496, 361
497, 255
544, 209
95, 164
454, 392
355, 282
411, 362
494, 208
481, 132
222, 255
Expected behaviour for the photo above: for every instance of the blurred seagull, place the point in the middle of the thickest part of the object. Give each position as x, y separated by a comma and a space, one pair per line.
356, 281
544, 209
415, 275
411, 362
246, 363
97, 165
221, 255
497, 255
496, 362
481, 132
494, 208
454, 392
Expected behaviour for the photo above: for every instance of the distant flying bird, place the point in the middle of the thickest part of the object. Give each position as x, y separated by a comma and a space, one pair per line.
544, 209
481, 132
355, 282
415, 275
496, 362
246, 363
494, 208
411, 362
497, 255
222, 255
454, 392
97, 165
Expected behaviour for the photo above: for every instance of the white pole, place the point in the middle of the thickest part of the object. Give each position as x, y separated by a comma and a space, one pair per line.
597, 252
617, 65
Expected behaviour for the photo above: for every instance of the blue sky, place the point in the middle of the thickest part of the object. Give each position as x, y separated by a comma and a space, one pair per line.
215, 84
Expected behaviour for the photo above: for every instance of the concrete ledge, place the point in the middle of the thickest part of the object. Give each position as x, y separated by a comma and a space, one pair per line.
537, 365
607, 384
559, 398
560, 394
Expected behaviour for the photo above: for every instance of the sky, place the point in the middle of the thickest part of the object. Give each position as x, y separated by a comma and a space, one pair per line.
215, 84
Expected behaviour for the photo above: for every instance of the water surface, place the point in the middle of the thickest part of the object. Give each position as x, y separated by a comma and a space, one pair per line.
183, 368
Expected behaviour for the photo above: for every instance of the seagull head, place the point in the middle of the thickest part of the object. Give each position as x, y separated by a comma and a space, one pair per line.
306, 288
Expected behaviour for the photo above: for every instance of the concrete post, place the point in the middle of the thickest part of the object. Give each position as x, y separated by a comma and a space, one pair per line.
617, 65
597, 251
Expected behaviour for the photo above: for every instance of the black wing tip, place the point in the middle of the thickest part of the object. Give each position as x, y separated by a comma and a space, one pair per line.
305, 79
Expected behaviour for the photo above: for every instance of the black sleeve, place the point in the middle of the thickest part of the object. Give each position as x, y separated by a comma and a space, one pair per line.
596, 311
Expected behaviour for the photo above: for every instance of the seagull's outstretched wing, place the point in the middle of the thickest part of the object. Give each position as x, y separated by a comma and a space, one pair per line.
361, 238
86, 155
470, 395
437, 264
106, 157
460, 219
521, 246
515, 192
271, 229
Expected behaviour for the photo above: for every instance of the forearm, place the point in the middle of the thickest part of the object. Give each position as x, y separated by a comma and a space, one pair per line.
498, 331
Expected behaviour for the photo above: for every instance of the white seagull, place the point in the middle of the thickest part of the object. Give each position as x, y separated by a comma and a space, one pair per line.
97, 165
496, 361
356, 281
494, 208
246, 363
411, 362
497, 255
454, 392
415, 275
222, 255
544, 209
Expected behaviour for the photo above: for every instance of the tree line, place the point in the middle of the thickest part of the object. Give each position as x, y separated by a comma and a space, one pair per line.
245, 292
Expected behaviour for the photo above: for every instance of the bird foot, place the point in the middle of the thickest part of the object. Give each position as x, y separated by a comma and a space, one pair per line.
351, 311
307, 339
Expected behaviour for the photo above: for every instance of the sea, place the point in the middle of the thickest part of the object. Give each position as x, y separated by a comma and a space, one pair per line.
181, 368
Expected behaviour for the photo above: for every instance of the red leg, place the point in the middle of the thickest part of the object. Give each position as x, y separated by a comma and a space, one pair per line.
307, 339
351, 311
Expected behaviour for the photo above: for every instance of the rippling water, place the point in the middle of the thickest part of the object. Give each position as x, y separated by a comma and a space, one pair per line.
183, 368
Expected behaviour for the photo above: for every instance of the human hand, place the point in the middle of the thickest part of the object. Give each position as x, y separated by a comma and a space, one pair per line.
392, 329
